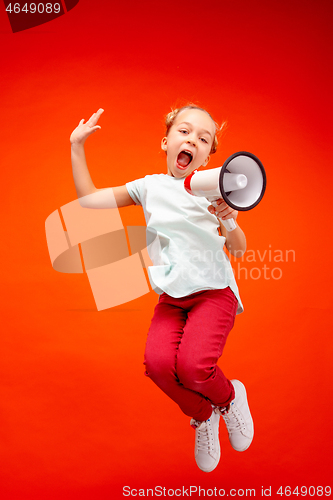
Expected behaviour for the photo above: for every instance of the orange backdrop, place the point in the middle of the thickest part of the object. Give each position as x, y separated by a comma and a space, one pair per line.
78, 418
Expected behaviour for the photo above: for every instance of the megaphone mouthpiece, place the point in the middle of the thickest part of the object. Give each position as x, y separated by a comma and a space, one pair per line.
231, 182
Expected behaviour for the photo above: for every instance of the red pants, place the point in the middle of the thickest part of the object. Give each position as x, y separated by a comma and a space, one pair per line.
185, 340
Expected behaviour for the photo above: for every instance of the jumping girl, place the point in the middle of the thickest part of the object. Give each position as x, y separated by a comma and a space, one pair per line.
198, 295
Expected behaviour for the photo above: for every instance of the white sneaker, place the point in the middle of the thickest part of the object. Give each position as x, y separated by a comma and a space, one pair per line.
238, 419
207, 445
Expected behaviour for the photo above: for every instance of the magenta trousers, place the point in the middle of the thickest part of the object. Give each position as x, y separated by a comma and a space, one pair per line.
185, 340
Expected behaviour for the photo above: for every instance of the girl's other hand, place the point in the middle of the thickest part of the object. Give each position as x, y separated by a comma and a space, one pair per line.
83, 130
222, 210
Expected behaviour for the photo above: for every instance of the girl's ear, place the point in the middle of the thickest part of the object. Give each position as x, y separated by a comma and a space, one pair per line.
206, 161
164, 144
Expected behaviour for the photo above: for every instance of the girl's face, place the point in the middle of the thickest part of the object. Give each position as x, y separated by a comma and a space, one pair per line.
188, 142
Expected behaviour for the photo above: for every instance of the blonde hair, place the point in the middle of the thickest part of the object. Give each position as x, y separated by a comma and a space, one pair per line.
171, 117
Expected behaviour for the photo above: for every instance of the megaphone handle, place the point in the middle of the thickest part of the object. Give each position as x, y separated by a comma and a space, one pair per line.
229, 224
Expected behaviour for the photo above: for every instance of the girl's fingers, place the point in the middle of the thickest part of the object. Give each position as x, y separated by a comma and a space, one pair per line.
226, 213
232, 215
223, 211
93, 119
220, 208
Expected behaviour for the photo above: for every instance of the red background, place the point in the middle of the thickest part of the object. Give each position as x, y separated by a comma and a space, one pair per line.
78, 418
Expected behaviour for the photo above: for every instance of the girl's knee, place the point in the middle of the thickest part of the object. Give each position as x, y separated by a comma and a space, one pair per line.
192, 374
158, 366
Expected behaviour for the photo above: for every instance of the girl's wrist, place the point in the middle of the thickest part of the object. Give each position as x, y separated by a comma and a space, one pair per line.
77, 145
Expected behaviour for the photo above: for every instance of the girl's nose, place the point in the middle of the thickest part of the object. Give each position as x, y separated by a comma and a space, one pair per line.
191, 140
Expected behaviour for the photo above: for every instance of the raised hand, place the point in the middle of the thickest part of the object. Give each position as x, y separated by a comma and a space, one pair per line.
85, 129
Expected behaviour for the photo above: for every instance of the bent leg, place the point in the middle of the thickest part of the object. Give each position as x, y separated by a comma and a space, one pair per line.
209, 322
162, 347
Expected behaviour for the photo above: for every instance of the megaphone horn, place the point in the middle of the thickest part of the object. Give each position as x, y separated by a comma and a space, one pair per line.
241, 182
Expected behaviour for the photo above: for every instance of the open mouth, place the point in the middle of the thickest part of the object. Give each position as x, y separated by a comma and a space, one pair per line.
184, 158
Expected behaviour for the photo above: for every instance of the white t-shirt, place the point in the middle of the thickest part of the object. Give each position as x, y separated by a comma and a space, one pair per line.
182, 239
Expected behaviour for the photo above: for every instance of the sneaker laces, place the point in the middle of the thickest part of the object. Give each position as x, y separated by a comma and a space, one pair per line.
204, 435
233, 419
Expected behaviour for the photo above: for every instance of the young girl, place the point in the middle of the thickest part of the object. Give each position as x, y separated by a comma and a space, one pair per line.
198, 294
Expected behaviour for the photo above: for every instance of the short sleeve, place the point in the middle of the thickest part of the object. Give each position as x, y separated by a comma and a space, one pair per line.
136, 190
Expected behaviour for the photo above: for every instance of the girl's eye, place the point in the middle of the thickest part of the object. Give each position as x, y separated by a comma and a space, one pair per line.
183, 131
204, 140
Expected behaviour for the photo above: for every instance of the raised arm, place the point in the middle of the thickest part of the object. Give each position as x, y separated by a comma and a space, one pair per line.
88, 194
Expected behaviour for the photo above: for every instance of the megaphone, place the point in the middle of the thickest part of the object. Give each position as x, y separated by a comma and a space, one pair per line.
241, 182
